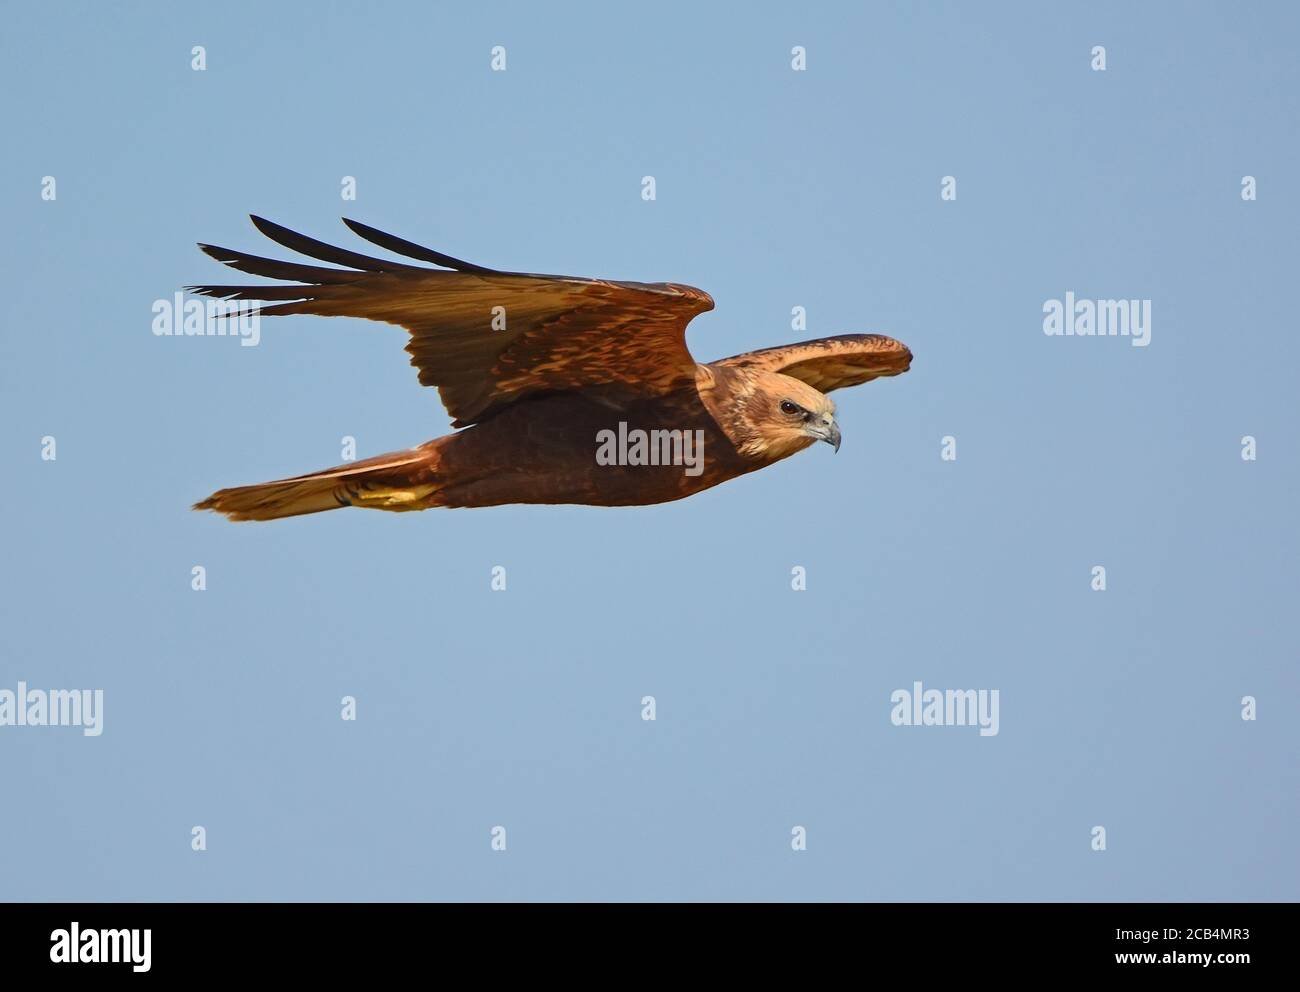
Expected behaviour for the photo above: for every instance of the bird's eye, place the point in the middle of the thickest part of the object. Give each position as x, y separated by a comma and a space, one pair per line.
788, 407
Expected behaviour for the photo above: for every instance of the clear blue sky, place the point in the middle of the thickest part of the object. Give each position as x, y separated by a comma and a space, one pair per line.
522, 708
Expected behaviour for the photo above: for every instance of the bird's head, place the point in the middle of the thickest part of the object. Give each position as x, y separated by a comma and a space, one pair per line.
786, 415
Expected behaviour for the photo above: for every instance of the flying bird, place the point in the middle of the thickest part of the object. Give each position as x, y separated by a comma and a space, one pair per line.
564, 389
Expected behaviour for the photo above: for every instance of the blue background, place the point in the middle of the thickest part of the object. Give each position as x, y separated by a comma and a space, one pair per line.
522, 708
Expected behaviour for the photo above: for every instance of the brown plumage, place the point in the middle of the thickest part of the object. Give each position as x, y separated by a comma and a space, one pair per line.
587, 394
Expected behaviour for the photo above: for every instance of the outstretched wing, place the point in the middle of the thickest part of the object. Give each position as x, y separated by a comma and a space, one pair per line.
830, 363
485, 338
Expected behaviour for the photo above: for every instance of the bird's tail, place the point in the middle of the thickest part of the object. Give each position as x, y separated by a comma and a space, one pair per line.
400, 480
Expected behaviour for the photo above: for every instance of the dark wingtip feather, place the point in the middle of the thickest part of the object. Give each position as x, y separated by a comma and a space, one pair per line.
410, 249
326, 253
275, 269
284, 293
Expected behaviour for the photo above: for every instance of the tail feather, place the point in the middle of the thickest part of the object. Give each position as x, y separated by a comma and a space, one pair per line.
397, 481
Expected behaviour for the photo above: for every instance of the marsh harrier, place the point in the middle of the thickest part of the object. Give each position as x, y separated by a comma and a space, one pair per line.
567, 390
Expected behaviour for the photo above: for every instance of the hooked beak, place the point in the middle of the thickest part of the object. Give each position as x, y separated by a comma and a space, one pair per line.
827, 431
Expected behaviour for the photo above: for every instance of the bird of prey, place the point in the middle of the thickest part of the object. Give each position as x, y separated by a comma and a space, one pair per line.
565, 390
